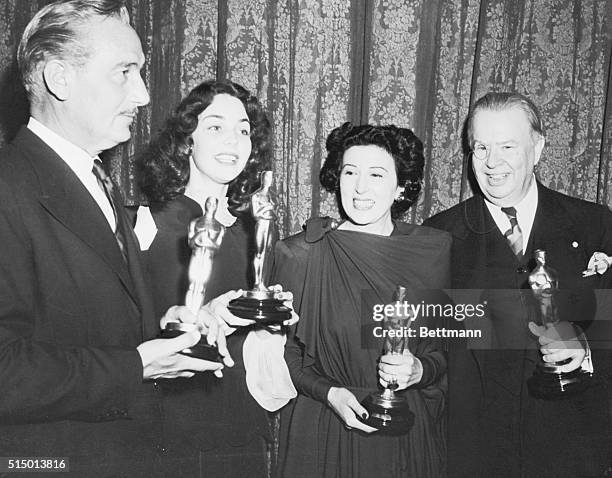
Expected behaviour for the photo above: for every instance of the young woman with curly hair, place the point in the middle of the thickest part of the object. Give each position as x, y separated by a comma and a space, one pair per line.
215, 144
338, 273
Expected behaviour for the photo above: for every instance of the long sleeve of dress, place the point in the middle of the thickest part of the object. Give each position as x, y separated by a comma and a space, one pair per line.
307, 380
289, 271
434, 365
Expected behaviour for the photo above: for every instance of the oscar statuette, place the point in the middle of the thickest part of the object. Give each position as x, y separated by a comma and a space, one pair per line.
388, 411
260, 304
205, 236
548, 382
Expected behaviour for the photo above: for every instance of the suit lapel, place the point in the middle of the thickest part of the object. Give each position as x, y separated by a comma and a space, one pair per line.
65, 198
550, 224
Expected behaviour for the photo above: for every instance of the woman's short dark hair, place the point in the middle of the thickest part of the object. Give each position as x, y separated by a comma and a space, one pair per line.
163, 171
401, 143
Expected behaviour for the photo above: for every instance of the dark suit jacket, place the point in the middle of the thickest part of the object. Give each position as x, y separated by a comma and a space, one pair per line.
71, 315
495, 427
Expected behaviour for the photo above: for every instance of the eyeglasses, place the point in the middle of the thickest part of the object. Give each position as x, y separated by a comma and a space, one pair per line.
481, 151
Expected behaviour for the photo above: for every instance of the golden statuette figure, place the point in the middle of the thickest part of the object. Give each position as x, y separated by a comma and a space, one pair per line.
388, 411
261, 304
262, 208
204, 237
548, 381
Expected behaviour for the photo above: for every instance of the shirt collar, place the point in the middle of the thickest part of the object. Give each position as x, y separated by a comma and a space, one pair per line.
528, 205
76, 158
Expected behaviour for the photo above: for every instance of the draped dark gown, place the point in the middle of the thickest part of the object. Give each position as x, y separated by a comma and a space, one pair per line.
212, 427
336, 277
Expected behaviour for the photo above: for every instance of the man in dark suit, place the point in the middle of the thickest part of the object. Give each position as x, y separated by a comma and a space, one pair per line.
78, 358
496, 428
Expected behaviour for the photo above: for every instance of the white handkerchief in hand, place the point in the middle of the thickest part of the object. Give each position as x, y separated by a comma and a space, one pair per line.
267, 375
145, 228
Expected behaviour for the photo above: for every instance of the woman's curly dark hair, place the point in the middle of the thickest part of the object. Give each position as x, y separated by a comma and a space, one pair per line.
401, 143
163, 171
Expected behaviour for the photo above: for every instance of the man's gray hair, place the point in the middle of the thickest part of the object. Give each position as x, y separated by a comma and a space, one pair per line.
501, 101
53, 34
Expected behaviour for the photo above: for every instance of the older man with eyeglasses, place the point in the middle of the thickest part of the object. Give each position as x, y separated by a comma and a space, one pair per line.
496, 427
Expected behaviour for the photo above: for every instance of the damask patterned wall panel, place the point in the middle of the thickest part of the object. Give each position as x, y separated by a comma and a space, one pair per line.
399, 79
564, 71
14, 16
425, 62
246, 50
576, 71
199, 51
8, 69
280, 105
393, 58
457, 42
555, 52
604, 185
310, 87
159, 26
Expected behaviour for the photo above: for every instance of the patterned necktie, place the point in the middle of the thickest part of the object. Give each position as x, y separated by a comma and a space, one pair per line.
514, 235
106, 184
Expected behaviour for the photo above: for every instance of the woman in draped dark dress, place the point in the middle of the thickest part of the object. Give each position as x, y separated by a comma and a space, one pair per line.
216, 144
337, 274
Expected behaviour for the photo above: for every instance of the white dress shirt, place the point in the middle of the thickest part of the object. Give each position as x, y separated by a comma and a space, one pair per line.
80, 162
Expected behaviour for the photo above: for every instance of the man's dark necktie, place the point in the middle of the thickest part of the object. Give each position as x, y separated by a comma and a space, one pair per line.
106, 184
514, 235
